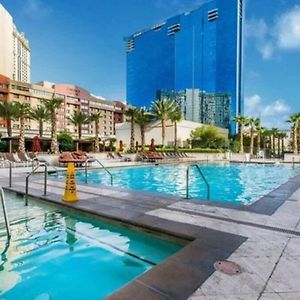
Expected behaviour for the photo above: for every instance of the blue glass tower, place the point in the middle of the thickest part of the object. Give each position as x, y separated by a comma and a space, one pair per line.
202, 49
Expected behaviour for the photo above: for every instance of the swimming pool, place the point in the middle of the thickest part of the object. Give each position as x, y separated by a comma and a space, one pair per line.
55, 254
230, 183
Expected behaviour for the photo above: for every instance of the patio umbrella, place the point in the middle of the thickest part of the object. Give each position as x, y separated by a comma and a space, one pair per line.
152, 146
36, 144
121, 146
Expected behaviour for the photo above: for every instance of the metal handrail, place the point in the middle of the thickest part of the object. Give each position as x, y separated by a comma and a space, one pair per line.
10, 171
203, 177
5, 212
99, 162
45, 179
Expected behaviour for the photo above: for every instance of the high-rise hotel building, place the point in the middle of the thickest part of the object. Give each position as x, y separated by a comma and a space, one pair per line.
201, 49
14, 50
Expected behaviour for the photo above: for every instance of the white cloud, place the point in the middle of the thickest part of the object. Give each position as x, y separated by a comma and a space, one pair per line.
283, 34
36, 8
272, 114
288, 29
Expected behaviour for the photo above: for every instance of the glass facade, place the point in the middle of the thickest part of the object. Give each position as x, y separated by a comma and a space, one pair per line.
200, 50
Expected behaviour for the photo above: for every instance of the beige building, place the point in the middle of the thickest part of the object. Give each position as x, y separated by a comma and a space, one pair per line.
75, 98
153, 130
14, 49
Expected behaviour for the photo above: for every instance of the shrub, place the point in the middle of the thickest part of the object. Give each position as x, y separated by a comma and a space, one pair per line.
3, 146
65, 141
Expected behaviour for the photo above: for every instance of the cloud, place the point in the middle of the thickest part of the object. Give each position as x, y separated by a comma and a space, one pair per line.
272, 114
288, 30
283, 34
36, 8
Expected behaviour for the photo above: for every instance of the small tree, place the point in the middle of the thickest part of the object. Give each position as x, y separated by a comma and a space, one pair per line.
142, 119
65, 140
95, 117
131, 114
23, 112
208, 137
40, 114
176, 116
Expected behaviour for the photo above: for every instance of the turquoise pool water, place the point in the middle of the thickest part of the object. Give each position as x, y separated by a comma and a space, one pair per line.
229, 183
57, 255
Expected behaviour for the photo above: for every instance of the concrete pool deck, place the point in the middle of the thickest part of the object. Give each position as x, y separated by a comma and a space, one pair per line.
266, 246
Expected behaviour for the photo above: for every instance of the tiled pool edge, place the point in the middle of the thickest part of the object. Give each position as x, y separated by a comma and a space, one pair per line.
179, 275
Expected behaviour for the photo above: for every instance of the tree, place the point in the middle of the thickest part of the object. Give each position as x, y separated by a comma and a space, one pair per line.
142, 118
95, 117
176, 116
260, 132
8, 111
79, 118
23, 112
162, 110
274, 132
208, 137
40, 114
242, 121
294, 120
254, 124
51, 106
131, 114
65, 140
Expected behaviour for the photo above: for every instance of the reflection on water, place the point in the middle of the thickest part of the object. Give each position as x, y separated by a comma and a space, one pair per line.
56, 254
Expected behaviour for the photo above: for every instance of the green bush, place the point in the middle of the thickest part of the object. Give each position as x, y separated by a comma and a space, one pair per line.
208, 137
65, 141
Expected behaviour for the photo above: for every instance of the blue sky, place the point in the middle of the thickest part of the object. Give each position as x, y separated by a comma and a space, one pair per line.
81, 42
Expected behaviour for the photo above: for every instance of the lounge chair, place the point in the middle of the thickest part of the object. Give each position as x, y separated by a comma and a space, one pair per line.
13, 157
123, 157
110, 155
23, 157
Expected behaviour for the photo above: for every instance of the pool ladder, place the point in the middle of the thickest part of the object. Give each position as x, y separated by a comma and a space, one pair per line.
202, 176
5, 212
100, 163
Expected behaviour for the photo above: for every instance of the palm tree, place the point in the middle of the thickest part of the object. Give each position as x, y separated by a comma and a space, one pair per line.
294, 120
95, 117
242, 122
78, 119
176, 116
254, 124
8, 111
162, 110
51, 106
260, 132
131, 114
142, 119
23, 112
40, 114
274, 132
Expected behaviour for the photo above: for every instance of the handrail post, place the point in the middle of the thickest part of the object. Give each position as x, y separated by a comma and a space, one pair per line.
10, 173
45, 179
26, 191
86, 166
99, 162
187, 183
5, 212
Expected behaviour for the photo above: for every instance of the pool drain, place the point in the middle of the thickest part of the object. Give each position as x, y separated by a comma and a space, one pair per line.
227, 267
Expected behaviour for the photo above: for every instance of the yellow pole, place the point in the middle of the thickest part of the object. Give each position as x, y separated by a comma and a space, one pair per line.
70, 194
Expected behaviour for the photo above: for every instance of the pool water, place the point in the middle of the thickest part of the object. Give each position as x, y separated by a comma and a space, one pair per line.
230, 183
58, 255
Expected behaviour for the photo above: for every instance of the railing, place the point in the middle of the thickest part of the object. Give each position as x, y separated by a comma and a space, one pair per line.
5, 212
10, 171
203, 177
99, 162
45, 179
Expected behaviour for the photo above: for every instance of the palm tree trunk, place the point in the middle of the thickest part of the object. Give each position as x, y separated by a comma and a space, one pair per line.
9, 134
41, 128
132, 136
295, 144
241, 129
54, 145
282, 146
142, 138
21, 147
258, 142
251, 141
97, 148
175, 136
163, 132
273, 144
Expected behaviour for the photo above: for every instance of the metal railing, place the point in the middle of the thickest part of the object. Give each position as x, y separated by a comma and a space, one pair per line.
203, 177
99, 162
10, 171
5, 212
32, 172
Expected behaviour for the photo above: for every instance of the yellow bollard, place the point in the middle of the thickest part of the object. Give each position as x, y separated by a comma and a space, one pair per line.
70, 189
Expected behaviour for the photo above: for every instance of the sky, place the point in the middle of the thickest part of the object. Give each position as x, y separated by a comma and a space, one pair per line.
81, 42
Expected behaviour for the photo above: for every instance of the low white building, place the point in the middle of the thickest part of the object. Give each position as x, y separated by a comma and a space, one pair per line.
153, 130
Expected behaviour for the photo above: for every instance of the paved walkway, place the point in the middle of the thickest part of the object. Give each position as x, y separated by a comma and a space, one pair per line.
269, 257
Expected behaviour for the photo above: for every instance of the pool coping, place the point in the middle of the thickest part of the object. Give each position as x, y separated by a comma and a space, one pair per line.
179, 275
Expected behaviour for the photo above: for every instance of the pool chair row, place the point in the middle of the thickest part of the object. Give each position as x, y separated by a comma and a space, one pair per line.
156, 156
18, 159
119, 156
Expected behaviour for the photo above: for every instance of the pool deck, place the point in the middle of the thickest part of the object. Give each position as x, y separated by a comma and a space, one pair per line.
265, 245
